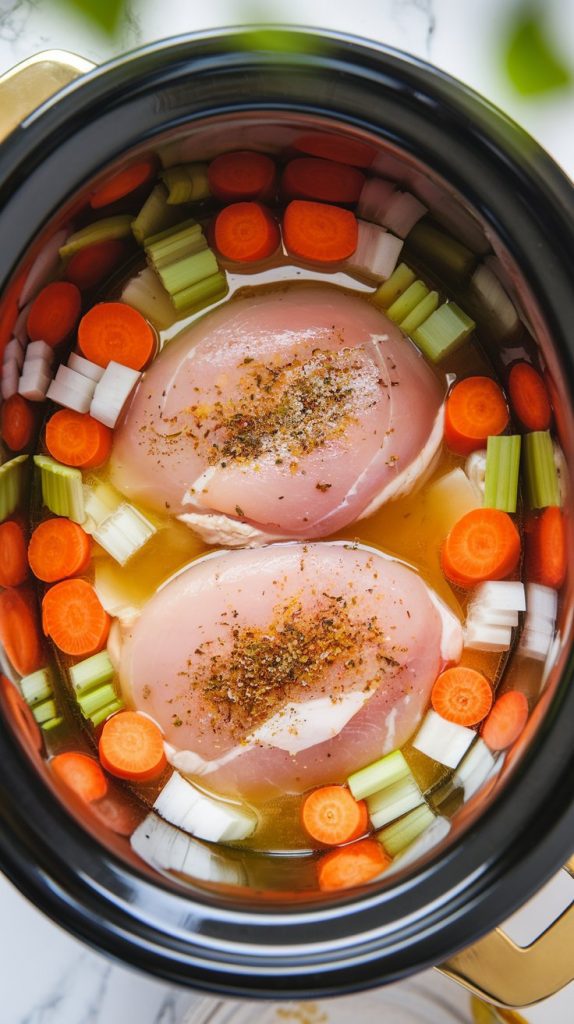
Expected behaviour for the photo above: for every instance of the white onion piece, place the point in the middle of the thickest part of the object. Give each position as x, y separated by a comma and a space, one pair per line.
162, 846
124, 532
446, 742
506, 595
186, 807
10, 378
492, 616
35, 381
474, 769
374, 199
475, 469
551, 658
76, 381
481, 636
43, 267
428, 839
112, 393
19, 329
70, 398
85, 367
541, 603
14, 350
535, 643
390, 803
377, 251
493, 297
39, 350
402, 213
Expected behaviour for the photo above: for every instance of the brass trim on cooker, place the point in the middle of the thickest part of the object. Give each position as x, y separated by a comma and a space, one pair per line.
26, 86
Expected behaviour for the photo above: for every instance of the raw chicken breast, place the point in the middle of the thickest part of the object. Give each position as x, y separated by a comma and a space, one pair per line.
289, 413
287, 667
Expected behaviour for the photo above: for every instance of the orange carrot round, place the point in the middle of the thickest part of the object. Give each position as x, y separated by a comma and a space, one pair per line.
324, 180
80, 773
352, 865
462, 695
335, 147
475, 409
20, 716
113, 331
13, 559
17, 422
529, 397
131, 747
89, 267
77, 439
546, 549
122, 183
19, 633
241, 175
74, 618
483, 545
54, 313
319, 232
119, 812
58, 548
246, 232
332, 816
506, 721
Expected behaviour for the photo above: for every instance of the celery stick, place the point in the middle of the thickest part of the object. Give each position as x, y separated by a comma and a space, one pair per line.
62, 490
37, 686
181, 275
388, 770
193, 298
110, 709
91, 672
406, 302
95, 700
502, 465
443, 332
186, 183
420, 313
155, 216
11, 485
188, 227
400, 834
180, 247
45, 711
52, 723
400, 279
443, 253
100, 231
540, 470
393, 801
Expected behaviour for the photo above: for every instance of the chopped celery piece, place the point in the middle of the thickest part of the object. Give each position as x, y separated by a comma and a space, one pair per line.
146, 293
442, 251
45, 711
110, 709
175, 245
420, 313
393, 801
400, 279
97, 699
52, 723
443, 331
406, 302
502, 465
400, 834
37, 686
540, 470
179, 276
175, 229
154, 216
62, 490
388, 770
91, 672
11, 485
100, 231
124, 532
198, 295
186, 183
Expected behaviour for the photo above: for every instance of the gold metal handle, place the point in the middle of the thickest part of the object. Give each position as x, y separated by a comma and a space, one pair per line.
507, 975
26, 86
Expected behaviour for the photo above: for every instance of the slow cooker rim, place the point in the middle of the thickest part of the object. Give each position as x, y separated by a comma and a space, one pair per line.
41, 882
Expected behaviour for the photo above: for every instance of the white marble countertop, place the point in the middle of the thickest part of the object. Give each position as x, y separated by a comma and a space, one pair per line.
45, 976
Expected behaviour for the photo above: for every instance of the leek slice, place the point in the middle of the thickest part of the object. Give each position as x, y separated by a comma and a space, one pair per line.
124, 532
400, 279
62, 490
420, 313
406, 302
446, 742
443, 332
91, 673
11, 485
442, 251
388, 770
393, 801
155, 216
37, 686
540, 470
400, 834
100, 231
99, 503
186, 183
502, 466
215, 820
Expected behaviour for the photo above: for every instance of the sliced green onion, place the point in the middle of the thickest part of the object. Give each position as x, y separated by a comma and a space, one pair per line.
52, 723
420, 313
146, 293
37, 686
179, 276
385, 772
393, 801
97, 699
540, 470
62, 490
400, 279
400, 834
406, 302
155, 215
200, 294
447, 256
124, 532
443, 332
45, 711
11, 485
502, 466
186, 183
100, 231
110, 709
91, 673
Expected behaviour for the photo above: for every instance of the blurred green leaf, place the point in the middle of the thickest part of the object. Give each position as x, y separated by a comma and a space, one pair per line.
106, 14
531, 61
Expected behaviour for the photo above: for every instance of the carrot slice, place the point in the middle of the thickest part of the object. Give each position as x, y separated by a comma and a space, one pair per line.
122, 183
54, 313
13, 560
58, 548
17, 422
335, 147
77, 439
483, 545
331, 815
319, 232
19, 632
546, 549
462, 695
119, 812
80, 773
475, 409
74, 618
114, 331
353, 865
20, 716
245, 232
131, 747
313, 178
89, 267
241, 175
529, 397
506, 721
